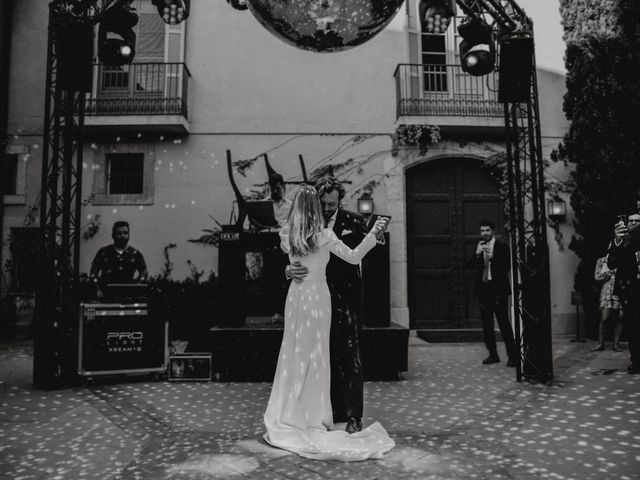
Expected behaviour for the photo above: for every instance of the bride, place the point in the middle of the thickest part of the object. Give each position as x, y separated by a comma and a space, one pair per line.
299, 415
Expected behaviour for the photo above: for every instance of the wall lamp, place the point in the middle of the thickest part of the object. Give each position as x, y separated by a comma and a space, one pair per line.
557, 209
365, 205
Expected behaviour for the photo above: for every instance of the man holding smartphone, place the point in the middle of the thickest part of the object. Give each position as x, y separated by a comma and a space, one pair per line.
624, 255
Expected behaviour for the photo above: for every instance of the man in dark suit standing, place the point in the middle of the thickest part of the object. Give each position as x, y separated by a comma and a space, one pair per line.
492, 263
345, 285
624, 256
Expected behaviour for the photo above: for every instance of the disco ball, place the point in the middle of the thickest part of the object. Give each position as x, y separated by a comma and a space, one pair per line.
324, 25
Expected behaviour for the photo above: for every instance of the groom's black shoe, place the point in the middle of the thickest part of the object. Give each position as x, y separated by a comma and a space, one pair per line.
491, 359
354, 425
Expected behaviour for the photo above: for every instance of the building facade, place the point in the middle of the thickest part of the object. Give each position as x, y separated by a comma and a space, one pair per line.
157, 133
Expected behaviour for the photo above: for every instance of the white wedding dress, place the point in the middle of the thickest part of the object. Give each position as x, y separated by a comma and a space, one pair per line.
299, 416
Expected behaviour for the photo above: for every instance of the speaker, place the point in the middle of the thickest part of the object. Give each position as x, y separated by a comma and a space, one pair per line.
516, 64
231, 277
74, 49
117, 338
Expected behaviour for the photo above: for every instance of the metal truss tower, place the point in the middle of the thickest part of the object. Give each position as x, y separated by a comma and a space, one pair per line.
69, 57
526, 202
56, 307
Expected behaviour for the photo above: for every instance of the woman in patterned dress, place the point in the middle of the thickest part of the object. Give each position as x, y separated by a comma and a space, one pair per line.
610, 306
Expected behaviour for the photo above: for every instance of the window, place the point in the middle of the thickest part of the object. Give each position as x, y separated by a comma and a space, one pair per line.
150, 77
9, 174
433, 52
13, 175
125, 173
434, 58
154, 71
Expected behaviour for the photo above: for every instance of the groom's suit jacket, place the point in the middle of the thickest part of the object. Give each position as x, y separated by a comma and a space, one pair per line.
343, 278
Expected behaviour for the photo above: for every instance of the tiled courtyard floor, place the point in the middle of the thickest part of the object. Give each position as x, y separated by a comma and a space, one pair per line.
451, 417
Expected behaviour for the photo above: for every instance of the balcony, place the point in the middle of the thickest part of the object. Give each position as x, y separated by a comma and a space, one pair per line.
444, 95
141, 97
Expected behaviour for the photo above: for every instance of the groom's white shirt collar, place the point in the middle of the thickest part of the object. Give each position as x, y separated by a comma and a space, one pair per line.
332, 220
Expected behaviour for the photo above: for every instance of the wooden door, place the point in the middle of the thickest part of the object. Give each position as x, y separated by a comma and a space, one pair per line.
446, 199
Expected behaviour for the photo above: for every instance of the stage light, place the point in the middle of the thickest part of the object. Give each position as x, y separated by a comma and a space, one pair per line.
126, 51
116, 38
477, 48
435, 15
238, 4
172, 12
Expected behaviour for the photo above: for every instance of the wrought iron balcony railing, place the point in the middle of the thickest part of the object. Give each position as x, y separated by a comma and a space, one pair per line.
139, 89
445, 90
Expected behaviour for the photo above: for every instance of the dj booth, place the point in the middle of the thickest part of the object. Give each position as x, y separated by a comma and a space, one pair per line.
245, 343
251, 276
120, 338
252, 282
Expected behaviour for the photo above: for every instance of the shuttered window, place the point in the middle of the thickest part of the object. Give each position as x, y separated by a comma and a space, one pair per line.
433, 52
157, 44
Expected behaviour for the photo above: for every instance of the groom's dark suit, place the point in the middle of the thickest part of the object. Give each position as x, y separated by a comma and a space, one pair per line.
345, 285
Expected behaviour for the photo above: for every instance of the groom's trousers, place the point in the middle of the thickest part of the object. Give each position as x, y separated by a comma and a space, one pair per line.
346, 363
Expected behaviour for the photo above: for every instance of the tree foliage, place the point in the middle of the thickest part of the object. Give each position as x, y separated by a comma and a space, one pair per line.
603, 104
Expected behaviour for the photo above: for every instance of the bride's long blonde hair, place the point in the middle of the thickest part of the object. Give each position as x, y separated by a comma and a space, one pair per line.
305, 220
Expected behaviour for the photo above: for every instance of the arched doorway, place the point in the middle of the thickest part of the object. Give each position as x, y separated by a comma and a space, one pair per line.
446, 199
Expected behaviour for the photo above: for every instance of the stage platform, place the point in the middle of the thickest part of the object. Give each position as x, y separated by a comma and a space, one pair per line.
250, 353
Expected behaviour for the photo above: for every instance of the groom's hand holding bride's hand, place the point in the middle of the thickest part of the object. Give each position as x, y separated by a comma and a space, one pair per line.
296, 272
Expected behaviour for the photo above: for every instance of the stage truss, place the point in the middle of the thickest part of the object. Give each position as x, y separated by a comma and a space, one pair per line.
55, 357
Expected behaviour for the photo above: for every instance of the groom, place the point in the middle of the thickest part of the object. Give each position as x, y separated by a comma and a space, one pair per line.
345, 285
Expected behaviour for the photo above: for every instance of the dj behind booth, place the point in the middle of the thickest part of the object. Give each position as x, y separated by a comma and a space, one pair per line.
117, 334
118, 263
